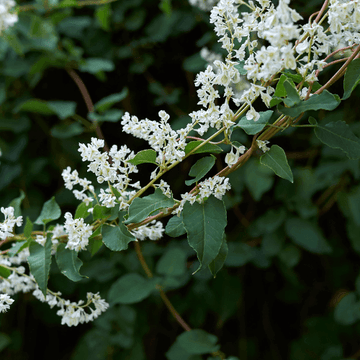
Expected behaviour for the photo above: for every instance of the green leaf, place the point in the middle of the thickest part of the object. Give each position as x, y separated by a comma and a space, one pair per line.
175, 226
108, 101
141, 208
165, 7
172, 262
20, 245
200, 169
198, 342
272, 243
216, 265
12, 39
347, 311
207, 148
94, 65
267, 223
68, 262
36, 106
239, 254
325, 100
276, 160
130, 289
102, 212
290, 255
293, 97
95, 243
294, 77
50, 211
117, 238
280, 90
5, 340
143, 157
111, 115
63, 109
40, 261
68, 3
307, 235
4, 272
194, 63
16, 203
103, 15
82, 211
338, 135
16, 125
65, 131
351, 78
28, 227
252, 127
177, 352
258, 178
205, 224
240, 67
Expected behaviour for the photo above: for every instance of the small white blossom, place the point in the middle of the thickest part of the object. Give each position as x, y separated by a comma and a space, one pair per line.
5, 302
40, 239
74, 313
231, 158
78, 231
7, 18
153, 230
262, 145
7, 227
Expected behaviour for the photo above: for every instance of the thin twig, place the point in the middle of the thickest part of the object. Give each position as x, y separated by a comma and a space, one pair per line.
164, 297
89, 104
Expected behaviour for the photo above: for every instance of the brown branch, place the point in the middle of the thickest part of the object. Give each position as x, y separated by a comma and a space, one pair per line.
164, 297
89, 104
322, 10
340, 72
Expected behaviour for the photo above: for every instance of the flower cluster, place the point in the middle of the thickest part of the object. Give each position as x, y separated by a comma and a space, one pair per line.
7, 227
205, 5
154, 231
78, 233
17, 282
344, 20
7, 18
164, 187
73, 313
168, 144
113, 167
216, 186
71, 179
262, 144
5, 302
231, 158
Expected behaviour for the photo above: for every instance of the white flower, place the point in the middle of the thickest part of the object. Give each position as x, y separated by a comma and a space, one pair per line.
40, 239
262, 145
205, 5
7, 227
153, 230
216, 186
231, 158
78, 232
7, 18
5, 302
74, 313
252, 114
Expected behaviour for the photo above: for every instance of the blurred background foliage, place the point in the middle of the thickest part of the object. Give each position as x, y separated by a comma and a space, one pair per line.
290, 287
